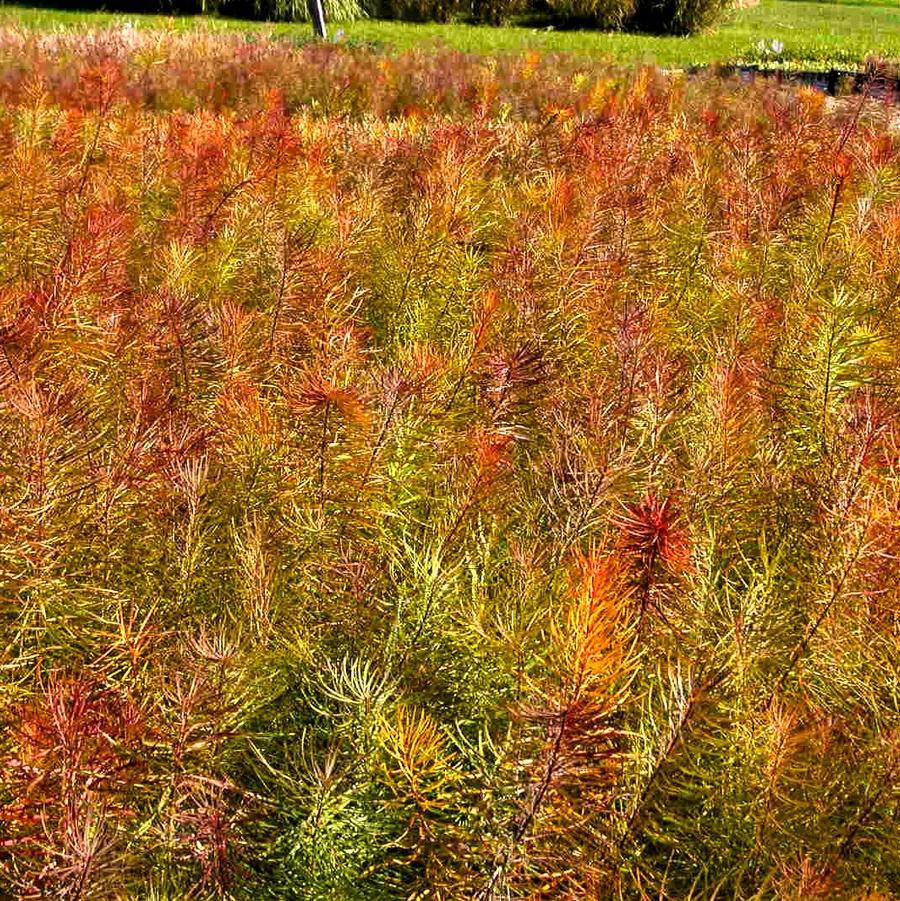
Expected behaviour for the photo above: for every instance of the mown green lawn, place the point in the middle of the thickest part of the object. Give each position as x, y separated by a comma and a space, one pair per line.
815, 35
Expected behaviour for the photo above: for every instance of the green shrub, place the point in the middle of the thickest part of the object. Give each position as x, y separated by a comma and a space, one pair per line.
490, 12
289, 10
677, 16
495, 12
604, 14
414, 10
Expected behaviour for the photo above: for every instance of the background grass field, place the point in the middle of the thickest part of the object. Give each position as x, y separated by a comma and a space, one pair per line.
814, 35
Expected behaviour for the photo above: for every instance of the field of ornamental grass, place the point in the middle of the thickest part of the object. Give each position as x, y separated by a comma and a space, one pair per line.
439, 477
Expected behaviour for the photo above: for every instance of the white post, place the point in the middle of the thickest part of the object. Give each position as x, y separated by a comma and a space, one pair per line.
317, 14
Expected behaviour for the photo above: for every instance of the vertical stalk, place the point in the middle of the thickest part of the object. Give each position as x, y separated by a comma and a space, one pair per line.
317, 17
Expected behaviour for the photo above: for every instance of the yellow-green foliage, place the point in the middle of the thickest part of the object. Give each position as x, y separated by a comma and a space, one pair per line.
469, 481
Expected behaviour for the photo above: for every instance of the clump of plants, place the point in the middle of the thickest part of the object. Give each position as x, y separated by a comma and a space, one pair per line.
677, 16
608, 15
285, 10
436, 477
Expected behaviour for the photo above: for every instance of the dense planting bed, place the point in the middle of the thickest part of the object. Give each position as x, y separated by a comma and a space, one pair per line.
436, 476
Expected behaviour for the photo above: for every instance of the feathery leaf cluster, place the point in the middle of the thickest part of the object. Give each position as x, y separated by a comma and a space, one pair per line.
425, 478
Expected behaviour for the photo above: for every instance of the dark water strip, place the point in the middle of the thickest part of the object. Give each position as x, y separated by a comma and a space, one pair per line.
835, 82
